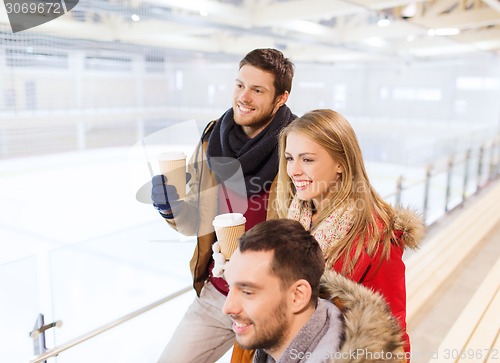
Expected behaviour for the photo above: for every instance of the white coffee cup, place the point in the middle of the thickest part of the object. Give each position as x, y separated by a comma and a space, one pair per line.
229, 227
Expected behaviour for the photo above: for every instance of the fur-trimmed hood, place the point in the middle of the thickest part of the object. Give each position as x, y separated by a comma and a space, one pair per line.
372, 334
410, 227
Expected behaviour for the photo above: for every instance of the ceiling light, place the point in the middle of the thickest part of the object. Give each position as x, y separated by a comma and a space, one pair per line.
376, 42
135, 17
383, 22
409, 11
447, 31
443, 31
307, 27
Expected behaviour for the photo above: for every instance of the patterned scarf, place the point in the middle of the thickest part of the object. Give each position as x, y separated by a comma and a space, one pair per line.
331, 230
229, 149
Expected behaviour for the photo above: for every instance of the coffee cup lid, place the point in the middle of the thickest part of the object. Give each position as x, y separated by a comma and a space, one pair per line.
172, 155
228, 220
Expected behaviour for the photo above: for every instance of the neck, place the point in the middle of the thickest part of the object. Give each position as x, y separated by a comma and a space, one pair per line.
252, 131
298, 321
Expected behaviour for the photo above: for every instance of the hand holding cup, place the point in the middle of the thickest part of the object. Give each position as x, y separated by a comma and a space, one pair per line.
229, 227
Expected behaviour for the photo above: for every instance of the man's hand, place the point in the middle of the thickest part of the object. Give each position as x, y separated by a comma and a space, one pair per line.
164, 196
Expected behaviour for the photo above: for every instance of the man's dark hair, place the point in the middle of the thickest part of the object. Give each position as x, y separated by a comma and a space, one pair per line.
273, 61
297, 254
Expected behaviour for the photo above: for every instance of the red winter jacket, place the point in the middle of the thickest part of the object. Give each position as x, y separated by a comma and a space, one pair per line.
387, 276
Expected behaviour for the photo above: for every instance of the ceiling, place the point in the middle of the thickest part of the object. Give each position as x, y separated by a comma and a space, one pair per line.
306, 30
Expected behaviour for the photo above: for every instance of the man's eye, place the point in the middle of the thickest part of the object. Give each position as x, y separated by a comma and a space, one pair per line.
246, 292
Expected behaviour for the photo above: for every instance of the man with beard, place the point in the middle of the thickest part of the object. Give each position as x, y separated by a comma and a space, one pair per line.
275, 280
244, 140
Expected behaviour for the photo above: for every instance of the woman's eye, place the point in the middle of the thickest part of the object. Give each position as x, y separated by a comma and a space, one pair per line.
288, 158
306, 160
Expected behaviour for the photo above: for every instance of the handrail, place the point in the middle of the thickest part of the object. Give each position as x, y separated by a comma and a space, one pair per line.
61, 348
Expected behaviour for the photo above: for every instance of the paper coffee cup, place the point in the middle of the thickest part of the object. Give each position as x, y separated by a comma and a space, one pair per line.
229, 227
173, 166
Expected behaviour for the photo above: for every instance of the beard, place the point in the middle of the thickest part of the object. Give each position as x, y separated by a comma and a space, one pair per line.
271, 333
257, 121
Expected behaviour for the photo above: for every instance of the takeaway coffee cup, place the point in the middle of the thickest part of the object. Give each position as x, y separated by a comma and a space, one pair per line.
173, 166
229, 227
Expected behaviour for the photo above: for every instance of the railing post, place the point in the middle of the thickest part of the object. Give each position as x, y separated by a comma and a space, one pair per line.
399, 188
497, 157
493, 169
428, 175
448, 184
479, 167
491, 163
39, 346
466, 174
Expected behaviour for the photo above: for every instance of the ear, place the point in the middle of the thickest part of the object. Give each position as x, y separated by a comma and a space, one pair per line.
340, 169
281, 100
300, 295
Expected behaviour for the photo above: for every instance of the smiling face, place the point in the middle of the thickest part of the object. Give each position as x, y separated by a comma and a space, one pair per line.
311, 168
257, 303
254, 99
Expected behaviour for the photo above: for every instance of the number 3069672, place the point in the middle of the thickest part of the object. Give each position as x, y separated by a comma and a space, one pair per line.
32, 8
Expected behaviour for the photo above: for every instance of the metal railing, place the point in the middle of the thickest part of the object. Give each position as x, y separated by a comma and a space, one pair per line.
61, 348
432, 171
450, 169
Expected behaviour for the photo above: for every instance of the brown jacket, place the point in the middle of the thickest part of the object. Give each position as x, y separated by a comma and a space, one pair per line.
194, 217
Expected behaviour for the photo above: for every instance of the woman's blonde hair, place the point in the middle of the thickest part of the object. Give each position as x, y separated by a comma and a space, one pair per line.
372, 216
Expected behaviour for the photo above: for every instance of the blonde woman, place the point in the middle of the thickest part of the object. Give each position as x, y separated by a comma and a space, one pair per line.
323, 184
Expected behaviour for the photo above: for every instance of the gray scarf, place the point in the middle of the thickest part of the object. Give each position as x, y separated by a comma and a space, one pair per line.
304, 342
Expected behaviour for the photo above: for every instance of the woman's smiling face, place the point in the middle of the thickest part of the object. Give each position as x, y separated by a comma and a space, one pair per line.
311, 168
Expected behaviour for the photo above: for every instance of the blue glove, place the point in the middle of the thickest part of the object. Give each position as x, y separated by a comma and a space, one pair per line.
165, 196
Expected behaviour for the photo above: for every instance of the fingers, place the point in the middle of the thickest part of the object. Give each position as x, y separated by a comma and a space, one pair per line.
164, 193
159, 179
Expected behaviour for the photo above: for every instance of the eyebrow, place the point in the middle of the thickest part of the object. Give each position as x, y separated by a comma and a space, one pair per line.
253, 85
247, 284
301, 154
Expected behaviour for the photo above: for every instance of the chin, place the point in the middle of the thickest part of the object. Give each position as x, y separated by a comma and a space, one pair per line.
245, 344
303, 196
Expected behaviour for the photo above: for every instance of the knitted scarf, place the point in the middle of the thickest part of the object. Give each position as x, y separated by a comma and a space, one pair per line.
303, 346
229, 149
331, 230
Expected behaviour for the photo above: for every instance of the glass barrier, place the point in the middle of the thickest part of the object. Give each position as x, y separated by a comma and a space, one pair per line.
19, 307
106, 278
103, 279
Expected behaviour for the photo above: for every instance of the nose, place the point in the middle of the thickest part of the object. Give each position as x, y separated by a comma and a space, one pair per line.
294, 169
231, 305
244, 95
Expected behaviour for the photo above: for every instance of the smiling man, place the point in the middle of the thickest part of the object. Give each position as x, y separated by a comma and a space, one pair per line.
273, 299
276, 279
241, 144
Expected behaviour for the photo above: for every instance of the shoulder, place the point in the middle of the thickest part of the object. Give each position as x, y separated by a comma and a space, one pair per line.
208, 131
409, 227
369, 323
